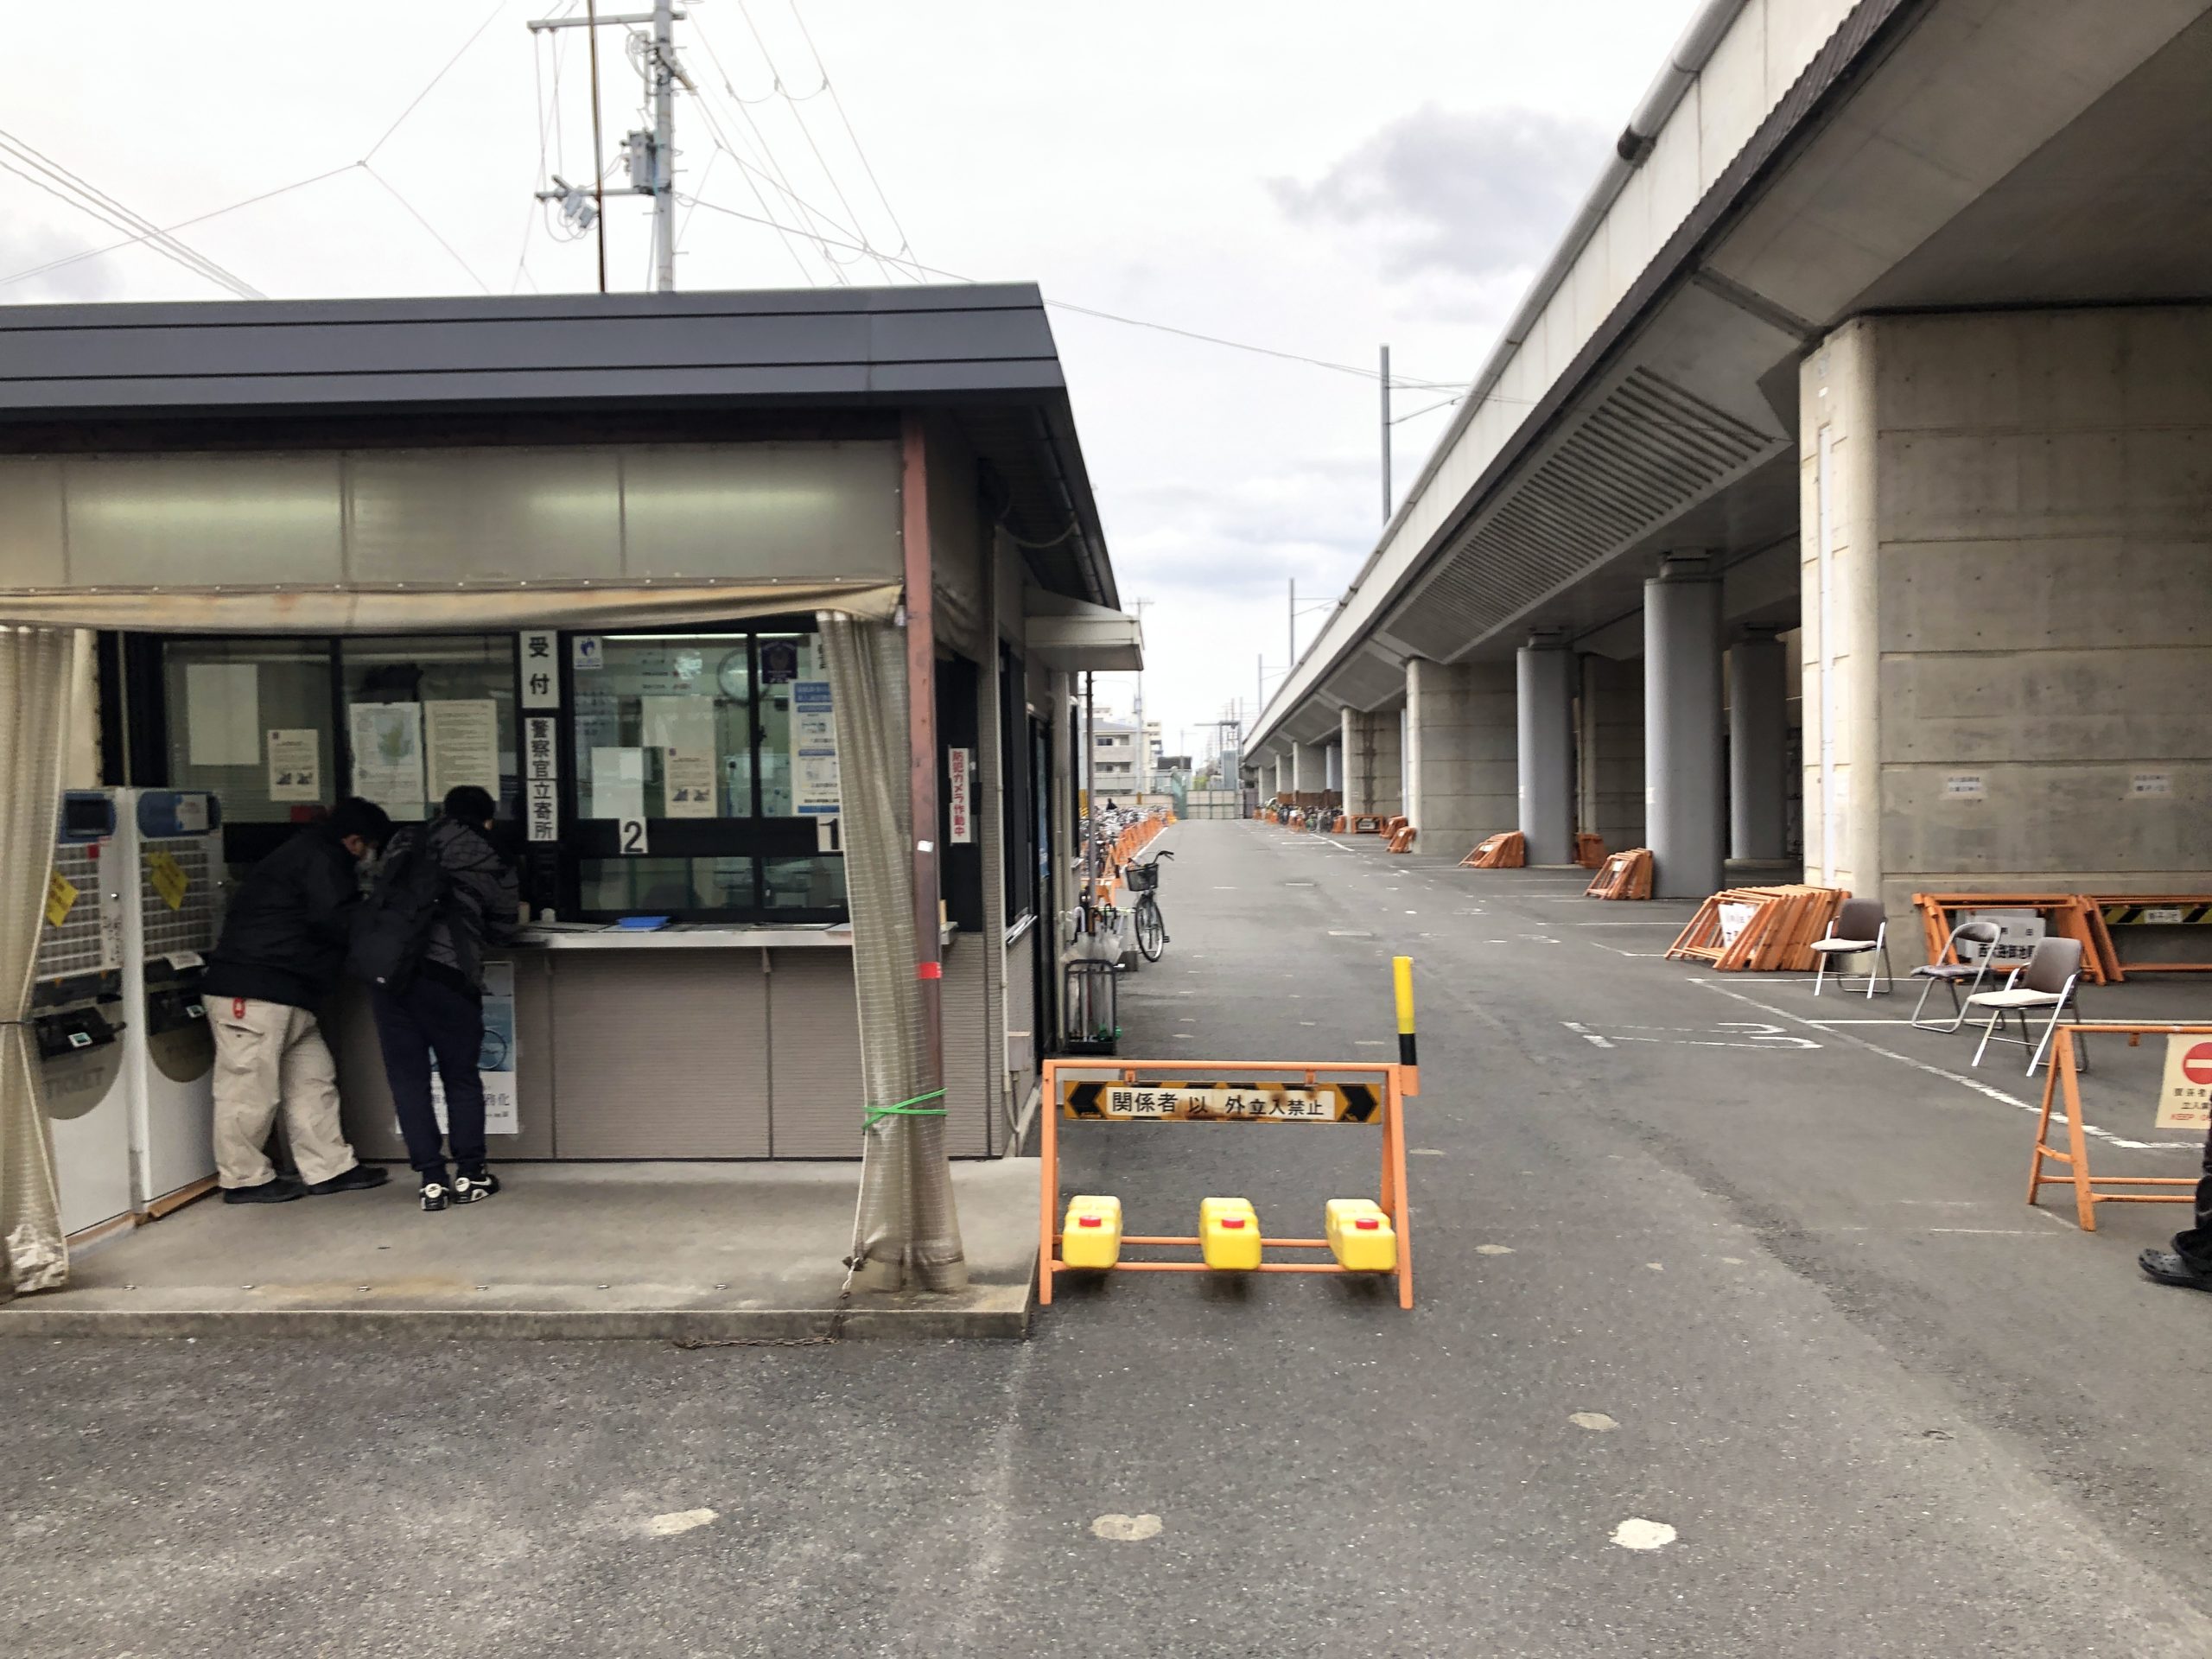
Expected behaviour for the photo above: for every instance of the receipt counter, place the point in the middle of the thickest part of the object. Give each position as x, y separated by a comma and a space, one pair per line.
698, 1041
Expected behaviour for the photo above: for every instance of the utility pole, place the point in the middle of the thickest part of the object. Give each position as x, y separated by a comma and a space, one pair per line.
1386, 434
1144, 749
1292, 658
650, 154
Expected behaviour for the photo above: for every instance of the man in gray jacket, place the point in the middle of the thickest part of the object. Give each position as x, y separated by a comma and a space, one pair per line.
439, 1011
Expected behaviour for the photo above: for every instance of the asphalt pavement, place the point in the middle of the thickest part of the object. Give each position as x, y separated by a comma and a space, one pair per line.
1734, 1338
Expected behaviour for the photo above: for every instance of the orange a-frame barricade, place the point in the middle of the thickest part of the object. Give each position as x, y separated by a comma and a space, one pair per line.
2059, 1075
1116, 1091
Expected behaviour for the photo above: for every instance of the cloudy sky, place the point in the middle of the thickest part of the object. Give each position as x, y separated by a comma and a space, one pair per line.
1312, 178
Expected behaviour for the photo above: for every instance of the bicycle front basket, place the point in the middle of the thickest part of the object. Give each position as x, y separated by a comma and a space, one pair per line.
1142, 878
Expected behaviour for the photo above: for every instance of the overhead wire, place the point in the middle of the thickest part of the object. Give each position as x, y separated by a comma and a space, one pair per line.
35, 166
905, 244
416, 214
1115, 316
499, 6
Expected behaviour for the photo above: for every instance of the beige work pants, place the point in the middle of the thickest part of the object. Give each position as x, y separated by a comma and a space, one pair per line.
268, 1056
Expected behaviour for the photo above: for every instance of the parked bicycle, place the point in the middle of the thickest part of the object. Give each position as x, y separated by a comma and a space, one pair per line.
1143, 877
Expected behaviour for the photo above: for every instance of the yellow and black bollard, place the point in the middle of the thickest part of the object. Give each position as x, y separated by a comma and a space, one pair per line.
1401, 974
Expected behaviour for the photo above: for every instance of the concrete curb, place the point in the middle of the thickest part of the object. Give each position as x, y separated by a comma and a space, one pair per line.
999, 1313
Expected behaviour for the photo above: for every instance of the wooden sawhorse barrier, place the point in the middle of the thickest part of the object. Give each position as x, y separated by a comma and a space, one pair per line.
2059, 1075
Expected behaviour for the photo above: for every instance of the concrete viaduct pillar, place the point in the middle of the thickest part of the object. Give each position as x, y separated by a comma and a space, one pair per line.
1544, 678
1461, 777
1758, 731
2008, 629
1684, 785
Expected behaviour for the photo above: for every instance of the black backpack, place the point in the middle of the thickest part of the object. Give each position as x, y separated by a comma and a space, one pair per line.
392, 929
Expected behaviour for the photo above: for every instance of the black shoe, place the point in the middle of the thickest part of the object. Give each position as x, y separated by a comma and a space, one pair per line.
359, 1179
435, 1192
474, 1183
275, 1189
2168, 1268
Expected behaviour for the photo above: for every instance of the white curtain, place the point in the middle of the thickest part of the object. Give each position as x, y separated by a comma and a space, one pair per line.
35, 667
906, 1231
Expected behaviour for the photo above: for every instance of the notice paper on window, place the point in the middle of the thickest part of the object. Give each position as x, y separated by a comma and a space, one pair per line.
222, 714
618, 784
814, 750
461, 738
387, 743
295, 764
495, 1061
682, 728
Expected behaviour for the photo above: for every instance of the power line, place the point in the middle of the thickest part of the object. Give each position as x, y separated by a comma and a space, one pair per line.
1112, 316
393, 190
81, 193
906, 245
499, 6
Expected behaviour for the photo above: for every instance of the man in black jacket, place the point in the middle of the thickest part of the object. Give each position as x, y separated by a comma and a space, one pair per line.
282, 948
439, 1009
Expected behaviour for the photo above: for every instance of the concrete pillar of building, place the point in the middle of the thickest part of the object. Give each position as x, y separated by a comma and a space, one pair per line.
1610, 752
1683, 784
1544, 683
1301, 767
1386, 732
1758, 737
2007, 646
1462, 781
1333, 767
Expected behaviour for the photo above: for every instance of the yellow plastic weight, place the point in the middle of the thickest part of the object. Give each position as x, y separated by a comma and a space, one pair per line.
1228, 1235
1091, 1235
1360, 1236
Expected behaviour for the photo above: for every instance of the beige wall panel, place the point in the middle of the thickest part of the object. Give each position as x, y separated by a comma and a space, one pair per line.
819, 510
31, 554
661, 1054
483, 515
814, 1043
255, 520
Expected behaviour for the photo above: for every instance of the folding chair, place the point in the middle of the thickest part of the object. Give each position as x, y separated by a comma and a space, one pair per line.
2050, 980
1950, 975
1858, 928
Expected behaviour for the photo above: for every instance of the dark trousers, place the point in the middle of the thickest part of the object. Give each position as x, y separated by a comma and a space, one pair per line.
2195, 1246
431, 1019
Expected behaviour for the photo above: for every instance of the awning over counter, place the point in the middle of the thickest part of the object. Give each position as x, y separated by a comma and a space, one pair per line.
1071, 634
355, 610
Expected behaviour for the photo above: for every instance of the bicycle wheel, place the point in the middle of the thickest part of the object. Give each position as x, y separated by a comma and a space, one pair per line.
1152, 930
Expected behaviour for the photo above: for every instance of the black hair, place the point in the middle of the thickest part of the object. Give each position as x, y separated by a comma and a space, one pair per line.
355, 817
470, 804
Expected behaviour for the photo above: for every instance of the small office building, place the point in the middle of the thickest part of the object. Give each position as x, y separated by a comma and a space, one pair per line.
581, 550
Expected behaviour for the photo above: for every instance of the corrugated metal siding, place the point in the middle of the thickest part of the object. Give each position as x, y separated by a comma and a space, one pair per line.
662, 1055
814, 1045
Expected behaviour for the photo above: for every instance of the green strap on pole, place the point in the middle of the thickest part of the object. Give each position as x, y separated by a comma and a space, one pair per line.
905, 1108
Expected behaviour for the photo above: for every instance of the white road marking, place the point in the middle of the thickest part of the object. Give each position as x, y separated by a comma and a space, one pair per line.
1657, 1266
1428, 1152
1995, 1232
1493, 1250
1126, 1528
1733, 1260
667, 1525
1762, 1036
1677, 926
1974, 1084
1637, 1533
1596, 1421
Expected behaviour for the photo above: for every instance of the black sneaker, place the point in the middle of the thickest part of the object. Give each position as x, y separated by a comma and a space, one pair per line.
358, 1179
474, 1185
435, 1192
275, 1190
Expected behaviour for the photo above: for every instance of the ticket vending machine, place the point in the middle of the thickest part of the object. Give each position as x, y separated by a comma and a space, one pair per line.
171, 840
76, 1015
127, 1060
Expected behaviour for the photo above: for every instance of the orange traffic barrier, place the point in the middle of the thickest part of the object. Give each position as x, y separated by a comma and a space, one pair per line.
1508, 851
1589, 850
1624, 875
2059, 1074
1369, 823
2068, 915
2129, 911
1763, 930
1401, 835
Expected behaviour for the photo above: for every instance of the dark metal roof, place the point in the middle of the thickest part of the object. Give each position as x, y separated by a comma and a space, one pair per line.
983, 352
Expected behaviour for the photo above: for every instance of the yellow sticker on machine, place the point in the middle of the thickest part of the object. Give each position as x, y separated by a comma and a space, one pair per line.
60, 899
168, 879
1227, 1103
